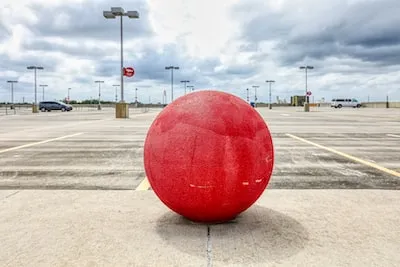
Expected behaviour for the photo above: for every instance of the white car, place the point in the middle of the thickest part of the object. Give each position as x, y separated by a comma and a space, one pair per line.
345, 102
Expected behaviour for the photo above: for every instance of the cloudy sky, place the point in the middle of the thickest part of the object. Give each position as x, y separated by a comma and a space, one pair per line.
354, 46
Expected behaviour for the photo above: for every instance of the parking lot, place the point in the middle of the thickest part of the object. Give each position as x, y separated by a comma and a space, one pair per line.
74, 193
73, 150
92, 150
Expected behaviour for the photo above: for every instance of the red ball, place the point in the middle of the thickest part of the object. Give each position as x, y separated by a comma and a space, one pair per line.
208, 156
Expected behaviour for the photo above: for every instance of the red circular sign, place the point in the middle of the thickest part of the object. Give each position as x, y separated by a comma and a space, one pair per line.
309, 93
129, 72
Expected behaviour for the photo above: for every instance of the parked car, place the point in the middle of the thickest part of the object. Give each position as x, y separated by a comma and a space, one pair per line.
54, 105
345, 102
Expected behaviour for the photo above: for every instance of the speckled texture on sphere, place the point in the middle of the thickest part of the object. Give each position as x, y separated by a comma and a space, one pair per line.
208, 156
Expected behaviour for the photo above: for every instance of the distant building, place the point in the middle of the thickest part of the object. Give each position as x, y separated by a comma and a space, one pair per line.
297, 100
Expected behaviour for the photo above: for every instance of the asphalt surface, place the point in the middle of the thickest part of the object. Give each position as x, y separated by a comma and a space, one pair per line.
90, 149
91, 206
95, 151
370, 135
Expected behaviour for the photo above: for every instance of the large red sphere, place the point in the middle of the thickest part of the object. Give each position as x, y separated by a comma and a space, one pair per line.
208, 156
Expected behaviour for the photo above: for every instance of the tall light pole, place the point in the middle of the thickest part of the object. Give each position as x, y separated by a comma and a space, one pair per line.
116, 94
306, 103
255, 94
12, 92
270, 101
119, 12
185, 82
69, 89
172, 68
35, 105
136, 102
190, 87
164, 97
99, 105
136, 95
248, 97
43, 86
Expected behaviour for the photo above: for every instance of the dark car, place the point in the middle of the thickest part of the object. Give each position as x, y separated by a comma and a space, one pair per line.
54, 105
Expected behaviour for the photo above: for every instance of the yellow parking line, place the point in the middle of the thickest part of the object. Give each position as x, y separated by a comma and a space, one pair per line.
370, 164
144, 185
38, 143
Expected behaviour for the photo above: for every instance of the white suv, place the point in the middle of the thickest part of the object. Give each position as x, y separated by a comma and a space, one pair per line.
343, 102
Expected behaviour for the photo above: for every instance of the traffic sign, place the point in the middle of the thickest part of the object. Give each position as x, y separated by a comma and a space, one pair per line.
129, 72
308, 93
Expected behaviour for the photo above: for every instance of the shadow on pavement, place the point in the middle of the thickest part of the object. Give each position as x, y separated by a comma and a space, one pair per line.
257, 235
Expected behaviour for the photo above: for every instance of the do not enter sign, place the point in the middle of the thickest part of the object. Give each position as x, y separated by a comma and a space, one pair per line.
129, 72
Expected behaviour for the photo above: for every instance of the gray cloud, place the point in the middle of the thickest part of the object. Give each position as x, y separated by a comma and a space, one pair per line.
20, 64
366, 30
351, 46
237, 71
4, 32
87, 21
82, 51
151, 66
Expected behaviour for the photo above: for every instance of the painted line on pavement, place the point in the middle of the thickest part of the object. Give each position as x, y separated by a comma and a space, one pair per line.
144, 185
55, 126
38, 143
393, 135
367, 163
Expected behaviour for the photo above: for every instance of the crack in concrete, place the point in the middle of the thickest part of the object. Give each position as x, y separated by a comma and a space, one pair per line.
12, 194
209, 247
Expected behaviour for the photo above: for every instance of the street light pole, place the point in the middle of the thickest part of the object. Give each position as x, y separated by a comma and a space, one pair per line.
248, 97
116, 94
270, 100
99, 105
69, 89
35, 106
115, 12
306, 103
185, 82
255, 94
12, 92
136, 102
164, 97
172, 68
43, 86
191, 87
122, 59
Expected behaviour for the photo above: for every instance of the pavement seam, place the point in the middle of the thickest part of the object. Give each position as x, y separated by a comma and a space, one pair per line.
209, 247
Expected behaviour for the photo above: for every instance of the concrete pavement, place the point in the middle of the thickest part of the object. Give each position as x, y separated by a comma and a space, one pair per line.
97, 151
68, 194
130, 228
